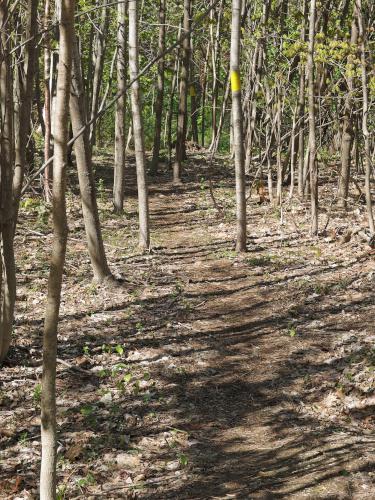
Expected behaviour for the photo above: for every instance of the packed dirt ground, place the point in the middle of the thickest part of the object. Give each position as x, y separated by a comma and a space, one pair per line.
203, 374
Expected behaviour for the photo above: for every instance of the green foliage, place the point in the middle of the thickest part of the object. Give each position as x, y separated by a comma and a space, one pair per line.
37, 395
88, 480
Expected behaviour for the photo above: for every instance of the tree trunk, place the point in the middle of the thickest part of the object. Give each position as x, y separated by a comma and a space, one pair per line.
312, 131
85, 173
182, 107
169, 117
120, 146
347, 128
23, 103
365, 110
7, 221
144, 231
238, 125
259, 63
160, 89
98, 67
47, 100
301, 109
48, 402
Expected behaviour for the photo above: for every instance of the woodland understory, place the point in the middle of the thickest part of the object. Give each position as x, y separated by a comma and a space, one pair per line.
204, 374
187, 249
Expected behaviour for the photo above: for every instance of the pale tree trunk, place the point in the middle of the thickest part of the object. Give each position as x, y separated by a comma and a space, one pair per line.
85, 173
48, 402
193, 97
144, 230
47, 100
293, 156
182, 106
120, 146
160, 89
169, 117
215, 56
365, 110
215, 144
204, 85
238, 126
194, 114
280, 170
301, 109
259, 67
7, 266
347, 128
312, 126
23, 103
98, 67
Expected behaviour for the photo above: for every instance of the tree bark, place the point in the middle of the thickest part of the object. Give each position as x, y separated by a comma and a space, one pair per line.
23, 103
120, 146
159, 90
365, 110
7, 219
347, 128
182, 107
48, 402
47, 100
312, 130
301, 109
85, 173
144, 230
238, 126
100, 47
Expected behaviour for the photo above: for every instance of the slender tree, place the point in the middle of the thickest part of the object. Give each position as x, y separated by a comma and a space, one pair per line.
48, 402
99, 53
85, 173
160, 89
24, 84
348, 124
365, 111
7, 155
120, 145
144, 230
313, 165
238, 125
47, 98
301, 108
182, 106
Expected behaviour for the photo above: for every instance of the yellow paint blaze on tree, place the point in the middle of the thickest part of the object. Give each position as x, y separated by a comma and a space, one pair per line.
192, 91
235, 81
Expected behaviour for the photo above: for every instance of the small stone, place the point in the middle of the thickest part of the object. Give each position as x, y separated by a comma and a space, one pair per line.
128, 461
107, 398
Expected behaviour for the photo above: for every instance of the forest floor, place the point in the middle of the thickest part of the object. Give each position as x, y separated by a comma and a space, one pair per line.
204, 375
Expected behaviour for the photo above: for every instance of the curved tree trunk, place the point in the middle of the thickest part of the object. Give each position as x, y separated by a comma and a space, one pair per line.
85, 173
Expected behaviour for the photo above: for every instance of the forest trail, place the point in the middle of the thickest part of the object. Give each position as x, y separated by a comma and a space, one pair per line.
206, 375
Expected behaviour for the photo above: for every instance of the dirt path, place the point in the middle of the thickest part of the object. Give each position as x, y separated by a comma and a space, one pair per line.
206, 375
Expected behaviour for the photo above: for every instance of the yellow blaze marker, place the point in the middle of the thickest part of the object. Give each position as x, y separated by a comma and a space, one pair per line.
192, 91
235, 81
